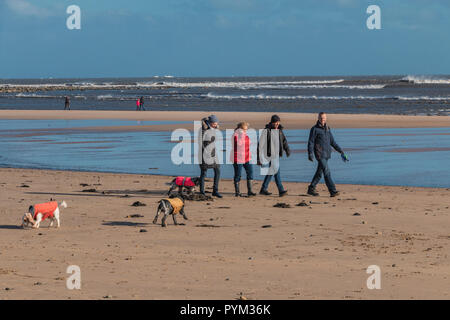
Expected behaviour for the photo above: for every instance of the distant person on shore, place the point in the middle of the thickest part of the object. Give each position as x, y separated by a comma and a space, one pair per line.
282, 146
241, 158
141, 102
319, 143
138, 104
67, 103
208, 126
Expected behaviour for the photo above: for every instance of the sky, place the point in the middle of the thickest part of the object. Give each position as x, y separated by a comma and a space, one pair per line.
218, 38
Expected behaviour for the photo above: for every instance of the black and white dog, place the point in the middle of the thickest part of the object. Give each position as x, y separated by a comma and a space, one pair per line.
184, 183
171, 206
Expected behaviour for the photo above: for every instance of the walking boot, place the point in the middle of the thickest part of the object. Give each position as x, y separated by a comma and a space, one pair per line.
334, 194
237, 193
250, 193
265, 192
312, 191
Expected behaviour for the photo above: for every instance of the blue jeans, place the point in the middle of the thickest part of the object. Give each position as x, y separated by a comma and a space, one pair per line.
277, 176
203, 171
238, 169
322, 168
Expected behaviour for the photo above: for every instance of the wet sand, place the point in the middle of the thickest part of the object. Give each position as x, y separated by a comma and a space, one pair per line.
228, 120
318, 251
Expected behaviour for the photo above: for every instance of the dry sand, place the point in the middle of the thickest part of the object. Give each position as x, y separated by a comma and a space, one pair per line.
320, 251
228, 120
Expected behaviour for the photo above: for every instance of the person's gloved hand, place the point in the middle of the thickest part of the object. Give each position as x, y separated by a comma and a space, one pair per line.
344, 157
310, 158
288, 153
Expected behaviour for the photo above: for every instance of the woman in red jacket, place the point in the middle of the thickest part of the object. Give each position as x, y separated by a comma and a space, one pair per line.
241, 158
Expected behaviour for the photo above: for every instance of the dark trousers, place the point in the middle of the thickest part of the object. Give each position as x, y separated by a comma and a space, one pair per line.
238, 169
203, 171
322, 168
67, 106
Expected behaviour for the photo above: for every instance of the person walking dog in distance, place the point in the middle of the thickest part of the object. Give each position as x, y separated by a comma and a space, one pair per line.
67, 103
319, 143
208, 126
138, 104
241, 158
283, 146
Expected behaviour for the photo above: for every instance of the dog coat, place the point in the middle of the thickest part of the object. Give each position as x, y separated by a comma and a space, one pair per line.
177, 204
46, 209
184, 182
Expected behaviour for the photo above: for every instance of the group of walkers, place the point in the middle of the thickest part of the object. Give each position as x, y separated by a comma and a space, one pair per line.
320, 142
140, 104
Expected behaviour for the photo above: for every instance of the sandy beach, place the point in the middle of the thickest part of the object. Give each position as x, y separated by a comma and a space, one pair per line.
228, 120
318, 251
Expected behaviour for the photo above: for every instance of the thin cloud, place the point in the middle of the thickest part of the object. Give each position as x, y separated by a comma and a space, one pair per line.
23, 7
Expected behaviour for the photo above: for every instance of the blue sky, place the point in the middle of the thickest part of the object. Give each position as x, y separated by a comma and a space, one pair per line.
143, 38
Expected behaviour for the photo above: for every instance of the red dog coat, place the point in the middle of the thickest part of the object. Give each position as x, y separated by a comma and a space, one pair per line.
46, 209
184, 182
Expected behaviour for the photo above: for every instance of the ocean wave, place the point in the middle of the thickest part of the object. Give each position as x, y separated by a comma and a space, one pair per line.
301, 84
425, 80
314, 97
236, 84
34, 95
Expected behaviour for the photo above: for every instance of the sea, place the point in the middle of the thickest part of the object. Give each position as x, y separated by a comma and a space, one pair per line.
402, 94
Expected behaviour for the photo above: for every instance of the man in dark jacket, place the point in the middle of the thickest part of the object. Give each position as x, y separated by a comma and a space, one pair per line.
283, 146
141, 103
208, 125
320, 142
67, 103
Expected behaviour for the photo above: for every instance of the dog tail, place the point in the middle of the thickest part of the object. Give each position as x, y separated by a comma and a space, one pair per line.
63, 204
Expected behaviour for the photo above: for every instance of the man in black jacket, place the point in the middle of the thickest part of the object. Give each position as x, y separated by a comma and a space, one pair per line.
283, 145
67, 103
320, 142
141, 103
208, 126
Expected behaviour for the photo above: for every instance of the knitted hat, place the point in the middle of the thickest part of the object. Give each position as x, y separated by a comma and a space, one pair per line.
212, 118
275, 118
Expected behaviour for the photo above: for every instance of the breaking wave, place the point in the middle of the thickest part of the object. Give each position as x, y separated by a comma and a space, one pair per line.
425, 80
314, 97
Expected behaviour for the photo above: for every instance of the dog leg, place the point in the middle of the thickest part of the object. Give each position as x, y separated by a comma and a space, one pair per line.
157, 214
56, 217
174, 217
163, 222
183, 214
38, 221
171, 189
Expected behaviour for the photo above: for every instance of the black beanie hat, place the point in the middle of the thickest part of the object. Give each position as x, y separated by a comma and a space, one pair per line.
275, 118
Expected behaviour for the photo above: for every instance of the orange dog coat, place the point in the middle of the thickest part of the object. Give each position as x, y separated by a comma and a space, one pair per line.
46, 209
177, 204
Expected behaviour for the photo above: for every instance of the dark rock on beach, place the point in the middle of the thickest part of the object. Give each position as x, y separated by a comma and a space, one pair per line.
302, 204
282, 205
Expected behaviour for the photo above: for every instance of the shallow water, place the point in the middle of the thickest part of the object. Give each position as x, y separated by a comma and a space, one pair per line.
409, 157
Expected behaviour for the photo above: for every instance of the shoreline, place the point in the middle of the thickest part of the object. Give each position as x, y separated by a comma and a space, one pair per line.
228, 120
221, 179
317, 251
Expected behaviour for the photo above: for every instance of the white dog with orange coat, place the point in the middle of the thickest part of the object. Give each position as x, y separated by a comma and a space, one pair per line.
39, 212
